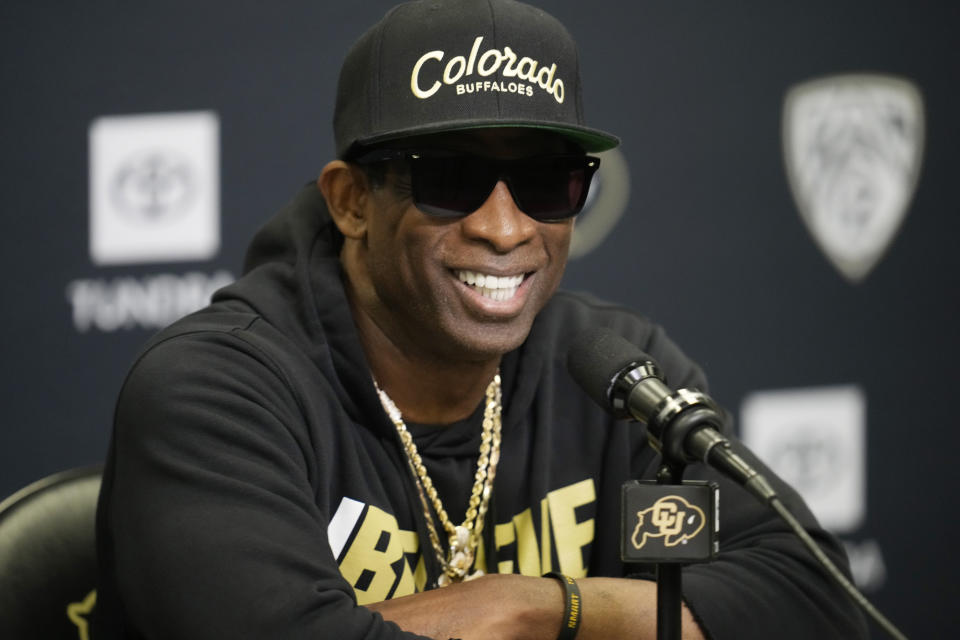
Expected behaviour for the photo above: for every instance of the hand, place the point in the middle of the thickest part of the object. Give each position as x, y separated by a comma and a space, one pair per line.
493, 606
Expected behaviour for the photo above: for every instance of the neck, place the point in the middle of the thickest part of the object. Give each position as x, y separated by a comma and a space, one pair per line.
426, 387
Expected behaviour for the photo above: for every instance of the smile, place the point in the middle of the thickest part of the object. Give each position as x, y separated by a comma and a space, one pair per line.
497, 288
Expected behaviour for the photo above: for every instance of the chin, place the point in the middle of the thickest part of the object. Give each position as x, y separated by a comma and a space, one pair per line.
491, 342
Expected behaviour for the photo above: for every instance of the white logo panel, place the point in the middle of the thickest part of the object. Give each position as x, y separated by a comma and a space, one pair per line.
154, 188
815, 439
853, 146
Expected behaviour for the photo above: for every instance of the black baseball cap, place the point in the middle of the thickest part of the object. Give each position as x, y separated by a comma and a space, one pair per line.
447, 65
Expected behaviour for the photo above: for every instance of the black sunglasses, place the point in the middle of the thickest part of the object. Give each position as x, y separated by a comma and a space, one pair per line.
448, 185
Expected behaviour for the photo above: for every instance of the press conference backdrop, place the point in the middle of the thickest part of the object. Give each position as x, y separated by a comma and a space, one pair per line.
785, 202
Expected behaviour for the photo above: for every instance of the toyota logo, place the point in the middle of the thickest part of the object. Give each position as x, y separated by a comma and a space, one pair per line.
153, 186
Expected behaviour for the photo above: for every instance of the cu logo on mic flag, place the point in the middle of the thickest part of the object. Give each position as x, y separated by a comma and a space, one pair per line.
668, 522
853, 146
671, 518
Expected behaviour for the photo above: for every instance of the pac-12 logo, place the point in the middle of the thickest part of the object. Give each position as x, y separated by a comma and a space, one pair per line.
671, 518
853, 146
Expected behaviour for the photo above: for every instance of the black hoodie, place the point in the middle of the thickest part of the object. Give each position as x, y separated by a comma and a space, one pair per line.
255, 488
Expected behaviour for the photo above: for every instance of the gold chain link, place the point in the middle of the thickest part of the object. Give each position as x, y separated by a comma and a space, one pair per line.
464, 539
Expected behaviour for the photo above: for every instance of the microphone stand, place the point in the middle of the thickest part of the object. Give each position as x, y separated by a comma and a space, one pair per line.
669, 576
674, 522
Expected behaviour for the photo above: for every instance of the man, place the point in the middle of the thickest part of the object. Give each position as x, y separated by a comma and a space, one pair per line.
377, 413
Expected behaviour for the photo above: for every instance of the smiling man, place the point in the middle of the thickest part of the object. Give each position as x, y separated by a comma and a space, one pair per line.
442, 288
372, 433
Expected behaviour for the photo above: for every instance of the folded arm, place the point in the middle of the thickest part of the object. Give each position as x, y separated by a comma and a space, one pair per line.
514, 606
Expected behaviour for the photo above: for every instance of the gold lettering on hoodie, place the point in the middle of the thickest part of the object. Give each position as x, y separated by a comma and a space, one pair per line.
382, 561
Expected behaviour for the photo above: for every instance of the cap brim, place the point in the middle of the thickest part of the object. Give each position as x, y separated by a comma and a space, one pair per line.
590, 140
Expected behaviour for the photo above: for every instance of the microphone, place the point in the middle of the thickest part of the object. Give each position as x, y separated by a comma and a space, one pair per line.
684, 425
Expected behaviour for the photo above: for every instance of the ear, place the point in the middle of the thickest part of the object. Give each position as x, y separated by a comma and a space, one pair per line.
344, 187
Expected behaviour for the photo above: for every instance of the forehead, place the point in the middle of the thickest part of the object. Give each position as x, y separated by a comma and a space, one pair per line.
499, 142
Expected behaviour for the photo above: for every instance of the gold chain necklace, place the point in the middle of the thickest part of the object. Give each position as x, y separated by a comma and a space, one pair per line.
463, 539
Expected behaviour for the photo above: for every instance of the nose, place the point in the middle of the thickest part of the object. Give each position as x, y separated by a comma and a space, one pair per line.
500, 222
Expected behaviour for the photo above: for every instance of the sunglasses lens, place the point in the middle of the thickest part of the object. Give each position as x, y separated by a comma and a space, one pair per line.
552, 188
545, 187
451, 186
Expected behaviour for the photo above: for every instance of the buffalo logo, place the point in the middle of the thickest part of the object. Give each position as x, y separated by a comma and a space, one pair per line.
153, 185
671, 518
852, 146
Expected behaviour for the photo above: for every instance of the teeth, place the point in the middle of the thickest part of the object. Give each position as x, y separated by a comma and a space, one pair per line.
490, 286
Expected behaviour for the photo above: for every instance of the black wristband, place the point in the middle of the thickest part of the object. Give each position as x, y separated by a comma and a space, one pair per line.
572, 610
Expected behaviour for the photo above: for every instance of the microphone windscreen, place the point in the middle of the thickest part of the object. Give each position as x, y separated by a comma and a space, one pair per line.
595, 359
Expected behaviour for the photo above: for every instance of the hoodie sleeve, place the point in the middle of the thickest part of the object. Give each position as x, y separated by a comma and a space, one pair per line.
208, 523
765, 583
